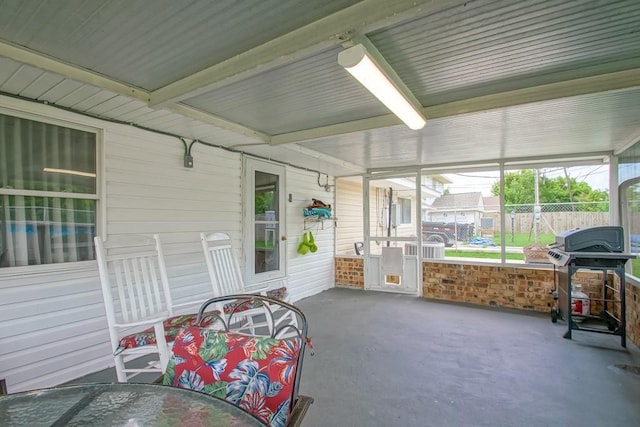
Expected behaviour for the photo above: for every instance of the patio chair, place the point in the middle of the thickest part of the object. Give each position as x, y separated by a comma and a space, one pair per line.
139, 309
226, 277
259, 372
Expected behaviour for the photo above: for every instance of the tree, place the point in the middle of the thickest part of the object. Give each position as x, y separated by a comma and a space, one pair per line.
264, 202
519, 189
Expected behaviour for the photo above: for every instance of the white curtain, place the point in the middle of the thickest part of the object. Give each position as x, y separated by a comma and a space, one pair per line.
43, 226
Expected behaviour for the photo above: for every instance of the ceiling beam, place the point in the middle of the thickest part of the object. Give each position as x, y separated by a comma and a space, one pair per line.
337, 129
359, 19
582, 86
325, 157
628, 143
47, 63
212, 119
619, 80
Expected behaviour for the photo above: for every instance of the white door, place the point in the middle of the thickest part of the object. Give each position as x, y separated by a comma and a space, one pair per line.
392, 233
264, 215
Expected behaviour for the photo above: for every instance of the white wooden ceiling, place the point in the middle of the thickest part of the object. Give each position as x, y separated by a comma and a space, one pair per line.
498, 80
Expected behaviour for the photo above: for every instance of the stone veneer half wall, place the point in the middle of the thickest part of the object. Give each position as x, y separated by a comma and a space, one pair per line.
349, 272
496, 286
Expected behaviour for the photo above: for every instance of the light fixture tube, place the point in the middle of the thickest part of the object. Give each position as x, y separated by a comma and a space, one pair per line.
361, 66
70, 172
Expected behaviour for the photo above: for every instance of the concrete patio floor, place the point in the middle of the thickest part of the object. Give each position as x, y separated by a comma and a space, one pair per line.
391, 360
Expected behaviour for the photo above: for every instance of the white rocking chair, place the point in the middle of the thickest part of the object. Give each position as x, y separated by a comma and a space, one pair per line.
226, 279
139, 309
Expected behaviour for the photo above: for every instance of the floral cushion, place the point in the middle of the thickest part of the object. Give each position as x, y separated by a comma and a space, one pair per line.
278, 294
172, 327
254, 373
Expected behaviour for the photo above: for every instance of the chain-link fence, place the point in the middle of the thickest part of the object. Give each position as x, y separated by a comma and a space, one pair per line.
543, 219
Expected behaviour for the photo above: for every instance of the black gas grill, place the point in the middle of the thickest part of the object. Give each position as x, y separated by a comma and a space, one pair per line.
593, 248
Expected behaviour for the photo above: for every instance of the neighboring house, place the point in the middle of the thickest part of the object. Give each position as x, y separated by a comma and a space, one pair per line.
460, 208
432, 188
490, 220
491, 204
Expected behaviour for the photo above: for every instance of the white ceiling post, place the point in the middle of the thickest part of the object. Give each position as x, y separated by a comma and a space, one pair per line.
614, 194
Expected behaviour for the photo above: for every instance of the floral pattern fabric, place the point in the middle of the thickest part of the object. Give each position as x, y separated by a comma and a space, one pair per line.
172, 326
279, 294
255, 373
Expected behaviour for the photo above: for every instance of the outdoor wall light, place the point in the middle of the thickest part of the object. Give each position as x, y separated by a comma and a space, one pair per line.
357, 61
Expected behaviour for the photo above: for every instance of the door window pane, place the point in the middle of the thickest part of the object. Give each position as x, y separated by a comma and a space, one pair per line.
266, 221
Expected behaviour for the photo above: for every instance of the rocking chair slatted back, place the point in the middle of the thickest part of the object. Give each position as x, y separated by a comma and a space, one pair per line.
135, 279
137, 284
221, 263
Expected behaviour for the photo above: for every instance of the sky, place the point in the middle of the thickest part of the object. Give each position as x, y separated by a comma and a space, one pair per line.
596, 176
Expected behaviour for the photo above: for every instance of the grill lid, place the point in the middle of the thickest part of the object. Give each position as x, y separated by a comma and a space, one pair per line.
591, 239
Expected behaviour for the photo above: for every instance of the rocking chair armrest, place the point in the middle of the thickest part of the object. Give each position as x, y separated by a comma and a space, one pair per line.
299, 410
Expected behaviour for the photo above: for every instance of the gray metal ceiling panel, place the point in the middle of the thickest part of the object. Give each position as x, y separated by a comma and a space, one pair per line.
483, 47
308, 93
109, 106
150, 43
493, 46
41, 85
570, 126
30, 82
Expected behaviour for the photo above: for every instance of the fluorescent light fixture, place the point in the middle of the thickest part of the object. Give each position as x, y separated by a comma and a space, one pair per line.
70, 172
357, 61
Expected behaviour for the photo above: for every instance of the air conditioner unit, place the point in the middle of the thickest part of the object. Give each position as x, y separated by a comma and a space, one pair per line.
429, 250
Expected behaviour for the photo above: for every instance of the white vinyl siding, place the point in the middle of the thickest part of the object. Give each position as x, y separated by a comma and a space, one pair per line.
52, 319
149, 191
314, 272
349, 212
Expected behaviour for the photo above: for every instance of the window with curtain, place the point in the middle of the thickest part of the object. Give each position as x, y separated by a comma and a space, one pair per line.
48, 193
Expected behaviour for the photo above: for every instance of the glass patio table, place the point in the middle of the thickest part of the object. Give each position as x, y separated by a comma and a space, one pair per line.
122, 404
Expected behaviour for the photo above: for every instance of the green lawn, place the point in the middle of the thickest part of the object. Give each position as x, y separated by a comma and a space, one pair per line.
480, 254
519, 240
261, 244
522, 239
635, 266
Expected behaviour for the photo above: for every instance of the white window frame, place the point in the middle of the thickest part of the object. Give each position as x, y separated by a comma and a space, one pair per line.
402, 219
624, 220
99, 197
